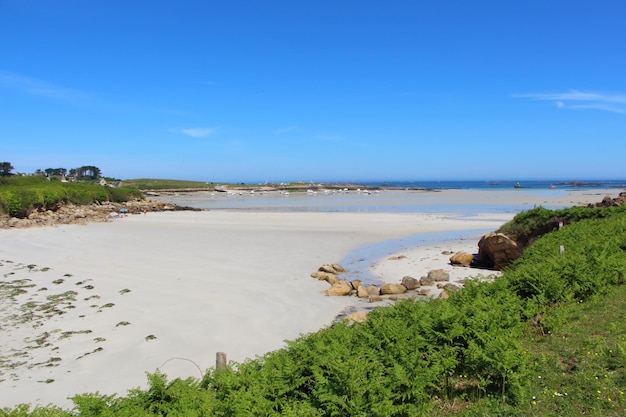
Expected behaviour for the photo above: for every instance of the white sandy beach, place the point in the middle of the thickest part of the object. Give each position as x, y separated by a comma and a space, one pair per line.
169, 290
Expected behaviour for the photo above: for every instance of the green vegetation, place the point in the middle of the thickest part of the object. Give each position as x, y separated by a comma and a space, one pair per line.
83, 173
531, 224
158, 184
5, 169
22, 195
548, 338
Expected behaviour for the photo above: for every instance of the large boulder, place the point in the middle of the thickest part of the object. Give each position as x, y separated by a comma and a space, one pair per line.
392, 289
340, 288
497, 250
434, 275
462, 258
361, 292
410, 283
438, 275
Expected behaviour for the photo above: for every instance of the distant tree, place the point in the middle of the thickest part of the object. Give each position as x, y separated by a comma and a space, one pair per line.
55, 172
88, 171
5, 169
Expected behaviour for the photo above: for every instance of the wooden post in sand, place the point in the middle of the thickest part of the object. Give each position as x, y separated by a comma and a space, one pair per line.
220, 360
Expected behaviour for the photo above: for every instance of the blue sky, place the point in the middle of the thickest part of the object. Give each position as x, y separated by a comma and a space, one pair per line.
344, 90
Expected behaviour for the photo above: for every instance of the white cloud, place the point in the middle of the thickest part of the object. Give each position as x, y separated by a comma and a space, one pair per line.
574, 99
199, 132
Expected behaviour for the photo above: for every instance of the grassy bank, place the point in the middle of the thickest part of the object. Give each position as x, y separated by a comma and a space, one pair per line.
547, 338
19, 196
154, 184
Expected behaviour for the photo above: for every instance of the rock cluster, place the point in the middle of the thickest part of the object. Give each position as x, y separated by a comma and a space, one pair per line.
81, 214
409, 287
495, 251
607, 201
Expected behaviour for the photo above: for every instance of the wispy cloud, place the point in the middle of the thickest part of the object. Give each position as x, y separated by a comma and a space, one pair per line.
43, 88
199, 132
574, 99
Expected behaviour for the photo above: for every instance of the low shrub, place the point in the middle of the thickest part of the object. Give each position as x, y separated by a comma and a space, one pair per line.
529, 225
19, 196
592, 261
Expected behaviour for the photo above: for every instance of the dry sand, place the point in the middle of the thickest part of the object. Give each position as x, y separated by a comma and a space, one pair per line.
112, 301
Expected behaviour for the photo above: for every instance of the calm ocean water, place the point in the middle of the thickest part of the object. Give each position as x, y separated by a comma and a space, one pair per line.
502, 185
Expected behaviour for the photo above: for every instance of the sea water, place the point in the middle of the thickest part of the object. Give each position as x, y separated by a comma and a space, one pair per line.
383, 201
567, 185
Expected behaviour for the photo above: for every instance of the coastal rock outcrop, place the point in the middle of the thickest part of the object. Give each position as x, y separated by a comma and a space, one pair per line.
607, 201
81, 214
497, 250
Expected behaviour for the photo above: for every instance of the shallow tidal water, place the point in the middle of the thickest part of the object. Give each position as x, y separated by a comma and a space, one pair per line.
465, 203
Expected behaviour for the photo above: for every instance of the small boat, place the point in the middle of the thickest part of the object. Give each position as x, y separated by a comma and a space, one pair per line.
552, 186
517, 185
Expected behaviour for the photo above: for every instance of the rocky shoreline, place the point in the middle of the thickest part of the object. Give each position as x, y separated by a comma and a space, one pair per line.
94, 212
495, 252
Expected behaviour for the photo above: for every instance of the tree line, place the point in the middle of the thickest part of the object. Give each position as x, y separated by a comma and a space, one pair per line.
5, 169
83, 172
